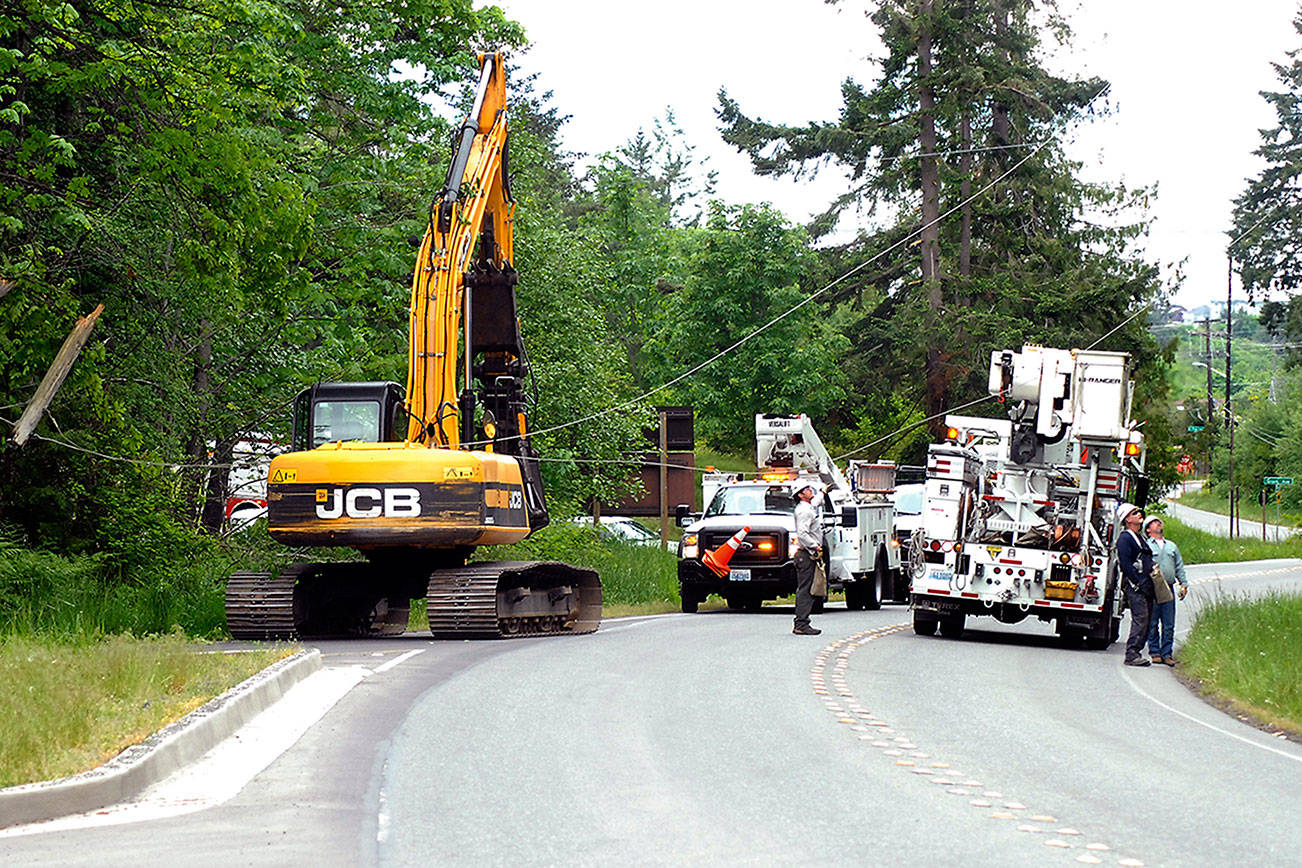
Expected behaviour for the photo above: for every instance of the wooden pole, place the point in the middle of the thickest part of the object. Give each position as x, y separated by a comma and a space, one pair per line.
53, 379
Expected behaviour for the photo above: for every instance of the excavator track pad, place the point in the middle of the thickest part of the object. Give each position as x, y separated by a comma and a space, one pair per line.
314, 601
509, 599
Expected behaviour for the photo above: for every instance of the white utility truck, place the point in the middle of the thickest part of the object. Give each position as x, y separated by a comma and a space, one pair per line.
1019, 513
788, 455
879, 574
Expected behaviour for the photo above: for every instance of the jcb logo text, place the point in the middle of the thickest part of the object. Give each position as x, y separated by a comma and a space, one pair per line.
367, 503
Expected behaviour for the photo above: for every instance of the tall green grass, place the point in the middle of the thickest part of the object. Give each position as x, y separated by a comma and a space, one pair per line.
74, 596
1200, 547
71, 704
1245, 651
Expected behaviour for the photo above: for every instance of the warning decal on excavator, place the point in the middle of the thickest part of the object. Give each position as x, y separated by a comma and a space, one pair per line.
283, 475
458, 473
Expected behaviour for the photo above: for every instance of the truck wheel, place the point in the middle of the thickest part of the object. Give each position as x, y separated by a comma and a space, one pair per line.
690, 601
951, 626
879, 586
735, 602
854, 594
924, 624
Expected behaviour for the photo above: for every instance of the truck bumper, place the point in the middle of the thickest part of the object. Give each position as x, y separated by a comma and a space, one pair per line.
768, 582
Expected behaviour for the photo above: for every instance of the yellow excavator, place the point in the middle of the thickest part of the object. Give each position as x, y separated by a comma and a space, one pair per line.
416, 478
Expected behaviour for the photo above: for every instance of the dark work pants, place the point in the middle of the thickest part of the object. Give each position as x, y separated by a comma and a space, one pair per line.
805, 581
1141, 611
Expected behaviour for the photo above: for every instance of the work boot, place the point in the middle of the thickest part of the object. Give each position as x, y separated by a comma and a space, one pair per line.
1169, 661
806, 631
1138, 661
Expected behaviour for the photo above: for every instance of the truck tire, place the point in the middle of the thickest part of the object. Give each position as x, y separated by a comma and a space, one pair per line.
854, 594
879, 586
690, 601
951, 626
924, 623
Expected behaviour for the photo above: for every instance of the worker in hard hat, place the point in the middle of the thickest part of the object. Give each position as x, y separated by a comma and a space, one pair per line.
809, 539
1135, 560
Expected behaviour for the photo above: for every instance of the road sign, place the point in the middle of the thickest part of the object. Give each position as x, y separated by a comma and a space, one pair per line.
1194, 429
1279, 480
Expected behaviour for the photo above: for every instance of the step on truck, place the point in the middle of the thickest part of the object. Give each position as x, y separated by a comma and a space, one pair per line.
1019, 513
789, 455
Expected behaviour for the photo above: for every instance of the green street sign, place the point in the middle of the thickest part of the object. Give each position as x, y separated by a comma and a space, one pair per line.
1279, 480
1195, 428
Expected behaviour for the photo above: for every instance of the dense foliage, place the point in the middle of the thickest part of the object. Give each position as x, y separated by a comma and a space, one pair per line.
237, 184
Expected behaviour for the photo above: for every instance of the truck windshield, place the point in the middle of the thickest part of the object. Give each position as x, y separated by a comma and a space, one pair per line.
752, 500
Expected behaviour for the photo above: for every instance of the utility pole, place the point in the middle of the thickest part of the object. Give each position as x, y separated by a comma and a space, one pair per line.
1229, 414
1211, 407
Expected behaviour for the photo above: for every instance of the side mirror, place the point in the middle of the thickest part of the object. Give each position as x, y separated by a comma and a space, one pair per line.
849, 516
1141, 492
682, 515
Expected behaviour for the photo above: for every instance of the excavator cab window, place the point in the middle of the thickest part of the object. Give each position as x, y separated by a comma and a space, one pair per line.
334, 412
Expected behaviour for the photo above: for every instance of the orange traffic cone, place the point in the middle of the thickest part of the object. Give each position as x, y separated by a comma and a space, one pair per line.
718, 559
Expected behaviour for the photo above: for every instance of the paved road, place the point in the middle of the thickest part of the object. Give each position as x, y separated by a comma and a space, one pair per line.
722, 738
1215, 523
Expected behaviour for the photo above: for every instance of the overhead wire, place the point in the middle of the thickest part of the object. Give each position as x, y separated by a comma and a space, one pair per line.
811, 297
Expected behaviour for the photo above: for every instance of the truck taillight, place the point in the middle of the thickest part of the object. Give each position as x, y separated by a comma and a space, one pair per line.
1132, 449
765, 546
947, 546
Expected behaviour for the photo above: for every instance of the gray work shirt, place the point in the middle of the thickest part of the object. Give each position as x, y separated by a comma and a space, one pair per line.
809, 526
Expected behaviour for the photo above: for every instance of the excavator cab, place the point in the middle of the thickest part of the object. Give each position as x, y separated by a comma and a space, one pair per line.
343, 412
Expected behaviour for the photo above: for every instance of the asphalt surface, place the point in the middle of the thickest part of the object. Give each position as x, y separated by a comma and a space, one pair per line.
1215, 523
721, 738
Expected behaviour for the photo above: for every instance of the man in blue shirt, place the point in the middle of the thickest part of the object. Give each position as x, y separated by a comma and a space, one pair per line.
1135, 561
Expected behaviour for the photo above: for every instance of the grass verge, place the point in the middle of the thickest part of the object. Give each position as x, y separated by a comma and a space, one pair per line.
1249, 510
1200, 547
1243, 653
70, 705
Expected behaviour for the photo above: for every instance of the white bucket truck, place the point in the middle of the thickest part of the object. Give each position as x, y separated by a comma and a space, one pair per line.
788, 455
1019, 513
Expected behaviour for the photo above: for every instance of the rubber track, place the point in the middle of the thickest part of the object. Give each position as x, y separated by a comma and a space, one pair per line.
462, 602
260, 606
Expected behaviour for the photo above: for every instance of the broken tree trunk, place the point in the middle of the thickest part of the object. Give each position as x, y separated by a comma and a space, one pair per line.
53, 379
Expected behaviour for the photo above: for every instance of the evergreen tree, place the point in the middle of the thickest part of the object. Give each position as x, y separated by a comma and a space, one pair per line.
960, 143
1267, 233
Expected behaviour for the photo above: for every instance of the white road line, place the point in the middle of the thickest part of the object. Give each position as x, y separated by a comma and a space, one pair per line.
1134, 686
385, 667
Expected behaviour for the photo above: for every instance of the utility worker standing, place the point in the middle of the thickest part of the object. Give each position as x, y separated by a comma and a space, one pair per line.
1166, 555
1135, 560
809, 538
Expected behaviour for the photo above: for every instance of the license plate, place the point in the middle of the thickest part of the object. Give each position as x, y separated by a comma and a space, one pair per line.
941, 576
739, 575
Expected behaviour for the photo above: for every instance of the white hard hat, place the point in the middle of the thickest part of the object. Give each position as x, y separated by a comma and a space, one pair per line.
1125, 510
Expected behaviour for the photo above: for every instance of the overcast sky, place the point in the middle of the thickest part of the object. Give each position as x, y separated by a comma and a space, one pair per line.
1184, 89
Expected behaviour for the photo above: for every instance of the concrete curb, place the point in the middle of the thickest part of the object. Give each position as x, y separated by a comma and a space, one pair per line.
171, 748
